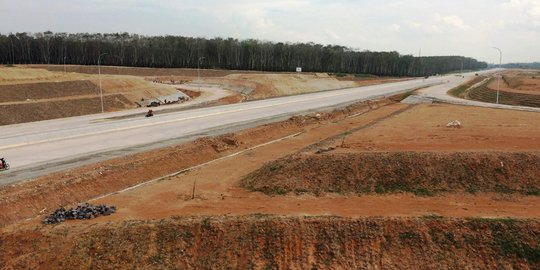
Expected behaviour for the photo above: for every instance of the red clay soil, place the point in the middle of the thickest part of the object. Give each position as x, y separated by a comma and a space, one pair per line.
190, 93
146, 232
519, 82
46, 90
27, 199
270, 242
422, 173
22, 112
423, 128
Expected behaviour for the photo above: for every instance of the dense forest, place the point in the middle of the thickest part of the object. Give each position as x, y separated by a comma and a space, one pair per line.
123, 49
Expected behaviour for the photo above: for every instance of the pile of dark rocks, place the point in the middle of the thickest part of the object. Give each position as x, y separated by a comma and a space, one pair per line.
83, 211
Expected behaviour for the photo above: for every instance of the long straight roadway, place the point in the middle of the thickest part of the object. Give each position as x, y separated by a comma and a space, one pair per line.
38, 148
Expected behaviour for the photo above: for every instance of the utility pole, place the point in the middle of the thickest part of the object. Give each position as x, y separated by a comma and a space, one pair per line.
199, 71
100, 86
500, 74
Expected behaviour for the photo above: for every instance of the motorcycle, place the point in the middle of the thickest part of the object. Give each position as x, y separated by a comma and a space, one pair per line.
4, 166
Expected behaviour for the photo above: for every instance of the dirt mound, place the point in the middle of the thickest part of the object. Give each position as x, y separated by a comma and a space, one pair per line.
267, 242
58, 108
139, 71
190, 93
27, 199
423, 173
519, 81
486, 94
17, 74
46, 90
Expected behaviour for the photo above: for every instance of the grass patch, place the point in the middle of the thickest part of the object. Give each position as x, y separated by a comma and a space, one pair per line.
503, 189
206, 224
379, 189
458, 91
278, 191
432, 217
471, 190
406, 95
423, 192
533, 192
510, 245
340, 75
360, 75
409, 236
8, 65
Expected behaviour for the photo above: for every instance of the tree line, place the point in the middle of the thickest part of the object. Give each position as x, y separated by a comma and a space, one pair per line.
123, 49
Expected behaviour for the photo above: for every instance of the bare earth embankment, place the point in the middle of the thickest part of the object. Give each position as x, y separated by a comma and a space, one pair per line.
41, 92
517, 87
267, 242
377, 185
32, 94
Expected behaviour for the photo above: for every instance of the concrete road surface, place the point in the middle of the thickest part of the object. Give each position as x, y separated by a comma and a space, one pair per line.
38, 148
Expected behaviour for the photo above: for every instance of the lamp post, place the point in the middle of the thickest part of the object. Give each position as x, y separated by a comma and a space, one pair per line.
100, 86
499, 77
199, 68
199, 71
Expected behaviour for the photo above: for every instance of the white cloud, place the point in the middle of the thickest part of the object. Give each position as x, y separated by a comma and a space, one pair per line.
453, 21
460, 27
526, 11
394, 28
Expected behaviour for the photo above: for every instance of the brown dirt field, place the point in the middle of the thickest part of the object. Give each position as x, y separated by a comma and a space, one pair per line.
423, 128
519, 81
37, 94
230, 172
139, 71
265, 85
46, 90
48, 83
270, 242
421, 173
90, 181
190, 93
272, 85
22, 112
19, 74
160, 225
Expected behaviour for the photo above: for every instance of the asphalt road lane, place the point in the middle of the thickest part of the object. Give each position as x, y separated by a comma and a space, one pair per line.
36, 144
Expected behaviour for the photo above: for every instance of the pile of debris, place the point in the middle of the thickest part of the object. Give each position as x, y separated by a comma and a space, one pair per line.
83, 211
454, 124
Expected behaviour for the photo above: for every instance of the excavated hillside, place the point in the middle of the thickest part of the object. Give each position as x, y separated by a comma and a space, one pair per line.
46, 90
270, 242
423, 173
22, 112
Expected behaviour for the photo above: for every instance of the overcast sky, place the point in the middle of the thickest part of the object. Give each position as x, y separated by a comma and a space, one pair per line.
450, 27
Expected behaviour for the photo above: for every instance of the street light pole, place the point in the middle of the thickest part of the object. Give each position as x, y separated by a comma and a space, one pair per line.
100, 86
199, 71
499, 77
199, 68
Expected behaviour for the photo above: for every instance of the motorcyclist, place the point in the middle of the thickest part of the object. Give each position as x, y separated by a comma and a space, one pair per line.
2, 163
